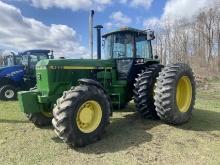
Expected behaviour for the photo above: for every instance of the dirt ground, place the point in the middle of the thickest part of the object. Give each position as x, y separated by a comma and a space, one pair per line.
129, 138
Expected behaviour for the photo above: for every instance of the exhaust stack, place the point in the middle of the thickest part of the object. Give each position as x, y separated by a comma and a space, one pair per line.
91, 32
99, 51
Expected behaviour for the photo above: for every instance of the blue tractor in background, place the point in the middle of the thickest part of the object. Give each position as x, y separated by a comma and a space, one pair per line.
18, 72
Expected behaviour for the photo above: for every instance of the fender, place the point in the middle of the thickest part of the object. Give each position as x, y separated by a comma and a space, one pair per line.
99, 85
91, 82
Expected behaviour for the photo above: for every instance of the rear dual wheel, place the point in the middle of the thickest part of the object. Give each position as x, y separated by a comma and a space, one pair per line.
175, 94
144, 91
167, 93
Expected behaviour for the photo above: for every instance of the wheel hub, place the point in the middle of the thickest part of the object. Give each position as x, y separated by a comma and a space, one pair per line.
86, 115
9, 93
89, 116
184, 94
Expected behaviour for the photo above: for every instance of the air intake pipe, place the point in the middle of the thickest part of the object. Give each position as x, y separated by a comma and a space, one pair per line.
99, 51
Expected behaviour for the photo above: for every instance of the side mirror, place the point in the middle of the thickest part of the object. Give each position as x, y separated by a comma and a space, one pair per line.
51, 56
103, 43
150, 35
156, 57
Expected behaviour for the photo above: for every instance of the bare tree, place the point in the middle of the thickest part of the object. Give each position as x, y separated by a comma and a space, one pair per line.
218, 39
196, 42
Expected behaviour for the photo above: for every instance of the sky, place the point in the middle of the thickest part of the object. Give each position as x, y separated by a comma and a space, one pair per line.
62, 25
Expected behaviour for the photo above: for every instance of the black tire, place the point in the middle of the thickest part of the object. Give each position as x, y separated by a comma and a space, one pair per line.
67, 108
166, 90
144, 91
39, 119
8, 93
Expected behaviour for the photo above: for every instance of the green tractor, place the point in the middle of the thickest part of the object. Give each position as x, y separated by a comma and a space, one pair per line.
78, 96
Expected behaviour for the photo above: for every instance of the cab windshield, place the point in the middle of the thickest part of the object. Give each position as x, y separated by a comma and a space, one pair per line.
12, 60
143, 47
31, 59
127, 45
119, 46
9, 61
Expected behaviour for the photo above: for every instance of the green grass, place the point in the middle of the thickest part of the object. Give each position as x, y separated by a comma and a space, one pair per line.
128, 140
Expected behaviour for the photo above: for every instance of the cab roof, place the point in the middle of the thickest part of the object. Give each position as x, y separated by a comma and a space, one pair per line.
35, 51
126, 30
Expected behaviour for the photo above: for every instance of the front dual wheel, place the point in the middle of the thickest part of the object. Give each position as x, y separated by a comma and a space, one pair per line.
81, 115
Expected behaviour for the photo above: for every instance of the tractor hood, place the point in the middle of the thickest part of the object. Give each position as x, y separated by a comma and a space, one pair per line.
10, 67
51, 73
69, 64
11, 71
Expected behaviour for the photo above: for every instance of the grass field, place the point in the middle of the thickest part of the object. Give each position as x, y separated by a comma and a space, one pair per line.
128, 140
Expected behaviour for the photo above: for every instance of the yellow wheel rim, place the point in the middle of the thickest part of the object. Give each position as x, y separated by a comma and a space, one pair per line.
47, 114
89, 116
184, 94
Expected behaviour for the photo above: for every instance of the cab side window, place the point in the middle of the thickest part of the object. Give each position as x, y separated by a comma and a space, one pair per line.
25, 60
142, 47
33, 61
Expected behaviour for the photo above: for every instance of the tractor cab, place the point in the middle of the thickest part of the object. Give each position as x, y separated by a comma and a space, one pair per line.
27, 58
11, 60
130, 48
31, 57
18, 71
128, 43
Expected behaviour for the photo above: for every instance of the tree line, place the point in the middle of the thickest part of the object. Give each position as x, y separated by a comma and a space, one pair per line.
196, 42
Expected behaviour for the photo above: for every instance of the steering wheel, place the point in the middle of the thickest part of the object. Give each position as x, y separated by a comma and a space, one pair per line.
119, 54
